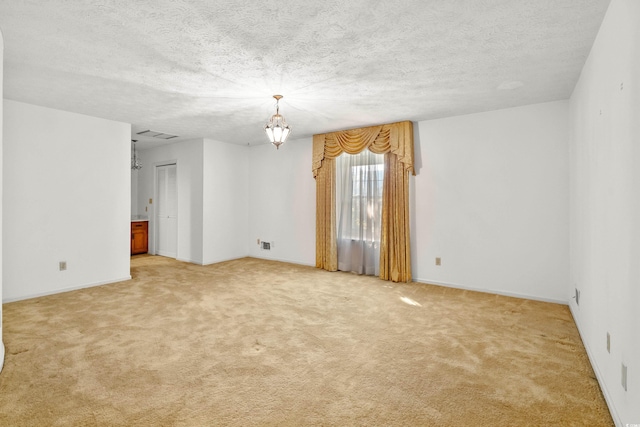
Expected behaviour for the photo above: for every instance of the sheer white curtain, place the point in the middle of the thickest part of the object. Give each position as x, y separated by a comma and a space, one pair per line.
359, 181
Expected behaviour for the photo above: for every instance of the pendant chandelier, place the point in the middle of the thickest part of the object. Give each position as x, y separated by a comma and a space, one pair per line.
277, 129
136, 164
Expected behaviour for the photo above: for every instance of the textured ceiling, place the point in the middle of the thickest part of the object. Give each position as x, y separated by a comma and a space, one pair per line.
197, 68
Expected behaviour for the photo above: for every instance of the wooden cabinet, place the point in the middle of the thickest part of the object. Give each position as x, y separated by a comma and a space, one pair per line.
139, 237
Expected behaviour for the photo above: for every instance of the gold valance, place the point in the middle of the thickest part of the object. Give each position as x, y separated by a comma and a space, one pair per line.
396, 138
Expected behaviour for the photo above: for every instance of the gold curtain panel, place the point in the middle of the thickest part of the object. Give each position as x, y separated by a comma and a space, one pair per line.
395, 141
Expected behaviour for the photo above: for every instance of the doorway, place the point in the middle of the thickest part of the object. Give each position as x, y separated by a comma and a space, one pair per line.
166, 214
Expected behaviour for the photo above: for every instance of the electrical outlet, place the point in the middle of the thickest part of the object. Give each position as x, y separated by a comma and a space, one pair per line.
258, 241
608, 343
63, 265
624, 377
438, 261
150, 201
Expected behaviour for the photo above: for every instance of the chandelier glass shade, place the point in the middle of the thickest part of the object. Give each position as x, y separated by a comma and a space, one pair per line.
136, 164
277, 129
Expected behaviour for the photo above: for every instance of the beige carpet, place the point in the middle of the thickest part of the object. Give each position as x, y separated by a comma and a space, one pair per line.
260, 343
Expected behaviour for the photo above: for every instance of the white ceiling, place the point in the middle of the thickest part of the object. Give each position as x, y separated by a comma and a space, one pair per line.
202, 68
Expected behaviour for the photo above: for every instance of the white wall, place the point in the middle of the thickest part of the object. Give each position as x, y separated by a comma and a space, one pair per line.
282, 202
212, 198
605, 206
225, 201
491, 200
1, 131
188, 157
134, 193
66, 198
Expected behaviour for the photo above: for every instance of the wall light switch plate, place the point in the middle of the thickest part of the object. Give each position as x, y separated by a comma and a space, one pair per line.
63, 265
438, 261
608, 342
624, 377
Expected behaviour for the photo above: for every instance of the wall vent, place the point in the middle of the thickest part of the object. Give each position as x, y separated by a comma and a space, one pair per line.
265, 246
155, 134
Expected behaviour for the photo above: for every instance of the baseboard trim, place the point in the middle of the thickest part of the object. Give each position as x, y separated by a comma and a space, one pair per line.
492, 291
190, 261
603, 386
284, 260
216, 261
68, 289
224, 260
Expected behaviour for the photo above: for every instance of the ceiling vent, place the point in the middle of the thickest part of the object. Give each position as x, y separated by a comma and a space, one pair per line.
155, 134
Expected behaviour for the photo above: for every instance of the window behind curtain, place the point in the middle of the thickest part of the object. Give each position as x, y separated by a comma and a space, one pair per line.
359, 181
